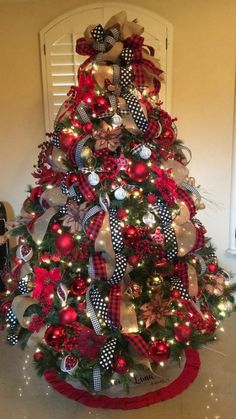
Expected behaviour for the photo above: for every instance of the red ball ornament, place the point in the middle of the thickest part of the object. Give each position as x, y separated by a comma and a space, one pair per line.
100, 105
65, 243
129, 231
55, 227
159, 351
182, 332
133, 260
212, 268
169, 135
119, 365
209, 323
138, 172
71, 179
151, 198
55, 336
88, 127
79, 286
4, 307
38, 356
121, 214
66, 140
175, 294
67, 315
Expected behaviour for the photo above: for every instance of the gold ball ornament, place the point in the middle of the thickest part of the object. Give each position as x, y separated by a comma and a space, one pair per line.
154, 282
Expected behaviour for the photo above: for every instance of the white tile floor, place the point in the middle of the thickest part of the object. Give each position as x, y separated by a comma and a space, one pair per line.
211, 396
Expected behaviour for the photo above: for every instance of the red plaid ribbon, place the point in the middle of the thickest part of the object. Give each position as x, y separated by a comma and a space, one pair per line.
85, 187
114, 305
94, 226
200, 237
151, 130
185, 196
181, 271
135, 42
99, 266
138, 343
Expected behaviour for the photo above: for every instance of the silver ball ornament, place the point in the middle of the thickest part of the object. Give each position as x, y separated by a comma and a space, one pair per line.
149, 219
116, 120
120, 194
93, 179
145, 153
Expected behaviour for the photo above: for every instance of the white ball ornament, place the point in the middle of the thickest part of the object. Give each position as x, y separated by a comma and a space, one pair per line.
145, 153
120, 194
116, 120
93, 179
149, 219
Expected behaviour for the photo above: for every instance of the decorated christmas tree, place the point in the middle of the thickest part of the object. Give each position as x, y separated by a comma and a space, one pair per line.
113, 273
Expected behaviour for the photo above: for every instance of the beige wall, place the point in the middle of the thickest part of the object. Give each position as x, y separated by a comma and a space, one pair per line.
203, 89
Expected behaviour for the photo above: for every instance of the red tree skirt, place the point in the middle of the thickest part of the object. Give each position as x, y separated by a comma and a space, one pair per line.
186, 377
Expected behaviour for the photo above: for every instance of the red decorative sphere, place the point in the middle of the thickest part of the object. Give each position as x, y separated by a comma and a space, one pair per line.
79, 286
36, 193
66, 140
133, 260
182, 332
119, 365
209, 322
121, 214
67, 315
129, 231
175, 294
4, 307
159, 351
64, 243
71, 178
55, 227
88, 127
100, 105
151, 198
212, 267
81, 306
38, 356
55, 335
138, 172
169, 135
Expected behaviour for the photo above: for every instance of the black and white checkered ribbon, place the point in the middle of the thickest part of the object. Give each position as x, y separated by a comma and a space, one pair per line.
201, 261
107, 353
136, 111
163, 212
177, 284
97, 382
82, 111
191, 189
116, 74
116, 234
90, 213
78, 151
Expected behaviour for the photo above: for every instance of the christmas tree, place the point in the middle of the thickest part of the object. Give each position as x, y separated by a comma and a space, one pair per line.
113, 272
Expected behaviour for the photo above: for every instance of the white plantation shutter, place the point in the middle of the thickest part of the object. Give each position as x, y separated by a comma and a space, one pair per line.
60, 61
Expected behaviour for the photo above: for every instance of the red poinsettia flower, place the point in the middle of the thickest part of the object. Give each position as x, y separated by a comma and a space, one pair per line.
90, 344
45, 283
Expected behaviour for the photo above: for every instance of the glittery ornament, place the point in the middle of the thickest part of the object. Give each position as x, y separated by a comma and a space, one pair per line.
69, 364
116, 120
120, 194
182, 332
159, 351
145, 153
55, 335
93, 179
149, 219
